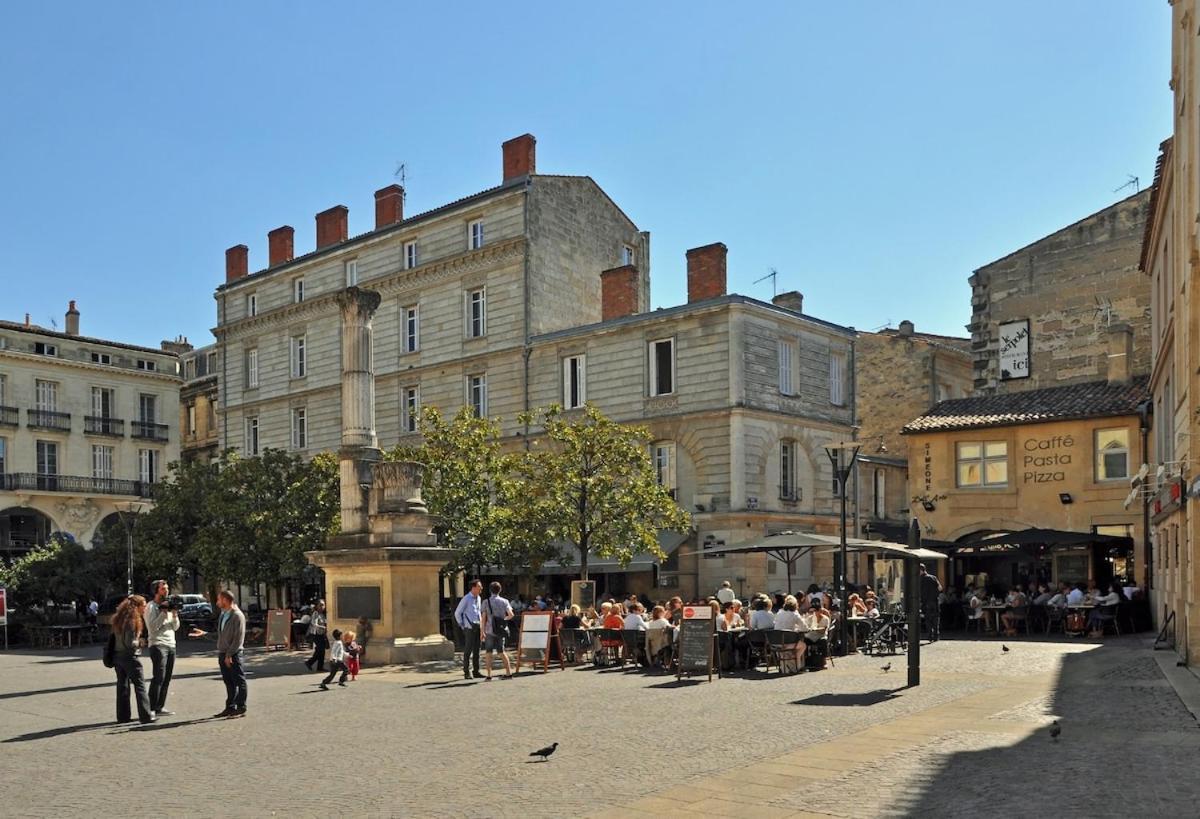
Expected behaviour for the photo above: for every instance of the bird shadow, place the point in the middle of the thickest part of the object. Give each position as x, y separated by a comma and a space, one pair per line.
535, 761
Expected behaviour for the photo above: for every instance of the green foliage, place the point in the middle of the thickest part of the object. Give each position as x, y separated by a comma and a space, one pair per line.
593, 484
56, 572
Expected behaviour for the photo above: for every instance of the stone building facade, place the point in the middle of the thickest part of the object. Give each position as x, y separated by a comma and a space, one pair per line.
537, 292
86, 425
900, 373
1039, 315
198, 397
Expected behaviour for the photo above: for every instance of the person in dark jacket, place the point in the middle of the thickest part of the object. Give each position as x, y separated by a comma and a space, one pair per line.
931, 588
231, 638
127, 628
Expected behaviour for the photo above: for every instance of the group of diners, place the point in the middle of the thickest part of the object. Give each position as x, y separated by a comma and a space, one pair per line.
1079, 608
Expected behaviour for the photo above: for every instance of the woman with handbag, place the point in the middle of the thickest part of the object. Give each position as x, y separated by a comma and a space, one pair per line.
127, 626
496, 613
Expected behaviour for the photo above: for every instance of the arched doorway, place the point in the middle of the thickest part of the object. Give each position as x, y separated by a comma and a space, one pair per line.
22, 529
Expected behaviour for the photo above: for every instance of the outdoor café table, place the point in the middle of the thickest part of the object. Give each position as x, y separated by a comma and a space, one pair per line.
68, 632
729, 642
855, 624
995, 609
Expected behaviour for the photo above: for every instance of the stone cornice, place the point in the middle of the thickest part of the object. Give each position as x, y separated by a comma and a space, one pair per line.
105, 369
394, 282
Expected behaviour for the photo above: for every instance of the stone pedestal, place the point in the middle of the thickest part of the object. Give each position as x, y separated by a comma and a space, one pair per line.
408, 582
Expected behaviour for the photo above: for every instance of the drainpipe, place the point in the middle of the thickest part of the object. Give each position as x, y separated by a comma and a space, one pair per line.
1145, 413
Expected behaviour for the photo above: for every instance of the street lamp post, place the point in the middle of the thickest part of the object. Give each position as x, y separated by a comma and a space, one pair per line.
842, 467
129, 512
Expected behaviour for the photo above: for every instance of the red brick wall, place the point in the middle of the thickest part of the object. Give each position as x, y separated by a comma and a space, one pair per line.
281, 245
520, 156
237, 262
332, 226
619, 292
389, 206
706, 272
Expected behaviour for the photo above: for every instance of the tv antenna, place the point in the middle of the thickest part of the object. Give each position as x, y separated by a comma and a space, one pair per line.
774, 277
1134, 182
402, 174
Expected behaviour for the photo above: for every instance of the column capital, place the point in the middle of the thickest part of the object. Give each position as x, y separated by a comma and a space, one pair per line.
365, 302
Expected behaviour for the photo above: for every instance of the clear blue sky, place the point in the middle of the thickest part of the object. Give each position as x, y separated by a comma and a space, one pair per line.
874, 153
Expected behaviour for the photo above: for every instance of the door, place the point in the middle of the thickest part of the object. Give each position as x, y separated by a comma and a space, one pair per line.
47, 466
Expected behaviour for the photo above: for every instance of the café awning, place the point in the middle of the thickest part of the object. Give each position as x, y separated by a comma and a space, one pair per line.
1034, 539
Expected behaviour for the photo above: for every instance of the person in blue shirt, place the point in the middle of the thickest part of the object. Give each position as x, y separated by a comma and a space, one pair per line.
468, 618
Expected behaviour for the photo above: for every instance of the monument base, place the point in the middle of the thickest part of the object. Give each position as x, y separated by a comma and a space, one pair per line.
411, 650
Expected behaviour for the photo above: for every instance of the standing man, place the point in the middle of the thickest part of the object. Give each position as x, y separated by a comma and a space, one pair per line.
725, 594
93, 610
931, 587
316, 630
161, 625
231, 637
467, 615
496, 609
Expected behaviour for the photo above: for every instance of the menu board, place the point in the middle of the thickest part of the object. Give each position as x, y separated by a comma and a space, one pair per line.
279, 628
696, 631
537, 636
583, 594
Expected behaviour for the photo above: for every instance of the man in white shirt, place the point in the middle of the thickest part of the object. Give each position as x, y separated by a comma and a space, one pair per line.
161, 625
1075, 596
634, 620
725, 594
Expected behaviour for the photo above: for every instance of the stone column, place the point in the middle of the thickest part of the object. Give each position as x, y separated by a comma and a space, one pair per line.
360, 447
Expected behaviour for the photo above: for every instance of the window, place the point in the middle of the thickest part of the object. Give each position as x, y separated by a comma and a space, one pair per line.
662, 366
3, 384
837, 378
189, 369
574, 381
351, 269
1112, 454
252, 368
787, 470
786, 356
148, 465
251, 304
191, 419
45, 396
148, 366
477, 394
299, 428
146, 408
410, 255
102, 462
3, 455
879, 506
102, 402
251, 446
42, 348
410, 408
412, 329
298, 290
476, 313
475, 235
101, 358
47, 464
664, 465
299, 359
626, 254
211, 360
983, 464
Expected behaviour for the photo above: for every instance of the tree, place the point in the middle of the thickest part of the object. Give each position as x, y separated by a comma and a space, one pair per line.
55, 572
592, 481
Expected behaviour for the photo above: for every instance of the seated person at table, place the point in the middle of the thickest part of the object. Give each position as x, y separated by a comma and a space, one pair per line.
816, 624
790, 619
1016, 599
660, 635
761, 618
573, 618
857, 607
1043, 595
1075, 596
1093, 591
1095, 619
974, 604
1059, 598
615, 617
634, 619
732, 617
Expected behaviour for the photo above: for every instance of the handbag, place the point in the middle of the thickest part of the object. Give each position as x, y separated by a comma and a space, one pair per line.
499, 624
109, 658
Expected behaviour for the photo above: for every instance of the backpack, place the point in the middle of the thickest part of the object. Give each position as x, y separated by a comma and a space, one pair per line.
109, 658
499, 624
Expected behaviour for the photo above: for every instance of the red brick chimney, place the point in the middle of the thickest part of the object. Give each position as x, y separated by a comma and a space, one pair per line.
237, 263
519, 156
706, 272
332, 226
281, 245
619, 292
389, 206
72, 323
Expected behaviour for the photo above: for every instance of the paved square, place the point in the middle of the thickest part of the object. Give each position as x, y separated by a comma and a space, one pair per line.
850, 741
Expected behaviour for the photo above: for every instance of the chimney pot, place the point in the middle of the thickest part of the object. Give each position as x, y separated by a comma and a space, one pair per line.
332, 226
389, 206
237, 263
791, 300
281, 243
906, 328
619, 288
1120, 353
72, 323
706, 272
520, 156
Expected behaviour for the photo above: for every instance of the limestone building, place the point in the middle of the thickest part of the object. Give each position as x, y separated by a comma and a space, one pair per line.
900, 373
86, 425
198, 397
534, 292
1039, 315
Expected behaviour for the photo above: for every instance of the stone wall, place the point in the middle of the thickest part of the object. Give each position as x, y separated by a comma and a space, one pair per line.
1071, 285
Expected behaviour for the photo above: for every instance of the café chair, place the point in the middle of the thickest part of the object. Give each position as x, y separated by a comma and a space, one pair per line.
782, 645
757, 649
633, 642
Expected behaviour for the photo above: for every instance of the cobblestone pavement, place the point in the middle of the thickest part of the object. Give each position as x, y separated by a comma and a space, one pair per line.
851, 741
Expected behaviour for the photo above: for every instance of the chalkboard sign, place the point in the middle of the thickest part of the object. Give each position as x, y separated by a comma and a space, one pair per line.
696, 635
354, 602
279, 628
537, 634
583, 594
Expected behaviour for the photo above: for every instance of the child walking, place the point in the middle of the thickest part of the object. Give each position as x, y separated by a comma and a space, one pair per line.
353, 651
337, 660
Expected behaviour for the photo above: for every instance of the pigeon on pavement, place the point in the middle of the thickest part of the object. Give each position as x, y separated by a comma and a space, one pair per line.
885, 669
1055, 731
1004, 649
544, 753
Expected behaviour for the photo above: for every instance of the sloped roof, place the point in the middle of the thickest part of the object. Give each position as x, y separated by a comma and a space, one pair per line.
1095, 399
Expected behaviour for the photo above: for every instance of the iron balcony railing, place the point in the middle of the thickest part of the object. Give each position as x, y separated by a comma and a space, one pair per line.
10, 416
48, 419
148, 429
100, 425
75, 484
